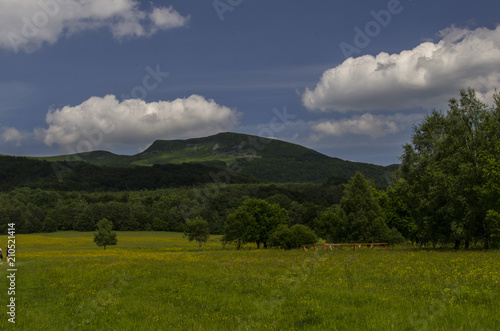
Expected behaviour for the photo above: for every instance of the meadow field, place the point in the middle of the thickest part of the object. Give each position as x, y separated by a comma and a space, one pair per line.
159, 281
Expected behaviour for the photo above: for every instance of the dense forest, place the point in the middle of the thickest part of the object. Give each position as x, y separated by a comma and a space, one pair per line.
446, 192
81, 176
37, 210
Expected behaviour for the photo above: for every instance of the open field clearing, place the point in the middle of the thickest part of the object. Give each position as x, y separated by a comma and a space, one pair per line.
159, 281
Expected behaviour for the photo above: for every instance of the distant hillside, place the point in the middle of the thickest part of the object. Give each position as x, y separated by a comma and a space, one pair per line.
23, 172
265, 159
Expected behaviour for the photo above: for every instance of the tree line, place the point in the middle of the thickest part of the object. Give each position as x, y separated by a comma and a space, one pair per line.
265, 214
38, 210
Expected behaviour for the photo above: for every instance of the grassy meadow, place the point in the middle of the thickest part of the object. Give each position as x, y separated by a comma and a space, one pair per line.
159, 281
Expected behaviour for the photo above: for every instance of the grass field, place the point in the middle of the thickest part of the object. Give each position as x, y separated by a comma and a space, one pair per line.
159, 281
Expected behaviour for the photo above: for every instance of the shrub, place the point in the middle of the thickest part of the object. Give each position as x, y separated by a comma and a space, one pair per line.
294, 237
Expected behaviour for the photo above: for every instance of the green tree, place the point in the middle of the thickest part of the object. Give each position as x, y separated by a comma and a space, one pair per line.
240, 229
296, 212
490, 159
361, 209
450, 167
197, 229
105, 235
67, 214
49, 225
159, 224
394, 203
265, 218
281, 237
330, 225
302, 235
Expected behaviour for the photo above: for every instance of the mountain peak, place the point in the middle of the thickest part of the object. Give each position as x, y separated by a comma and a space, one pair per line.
263, 158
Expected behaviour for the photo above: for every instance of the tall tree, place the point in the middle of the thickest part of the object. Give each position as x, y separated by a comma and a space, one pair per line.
446, 167
330, 225
363, 214
490, 191
394, 203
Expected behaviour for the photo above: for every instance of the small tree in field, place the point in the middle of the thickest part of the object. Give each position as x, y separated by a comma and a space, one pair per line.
197, 229
105, 235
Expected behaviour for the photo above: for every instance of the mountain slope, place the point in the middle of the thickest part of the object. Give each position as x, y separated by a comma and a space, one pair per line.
69, 176
265, 159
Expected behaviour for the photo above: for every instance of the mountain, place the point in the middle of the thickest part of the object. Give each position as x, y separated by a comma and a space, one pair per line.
263, 158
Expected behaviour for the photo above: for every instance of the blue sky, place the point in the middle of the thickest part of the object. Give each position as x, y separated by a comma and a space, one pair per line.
346, 78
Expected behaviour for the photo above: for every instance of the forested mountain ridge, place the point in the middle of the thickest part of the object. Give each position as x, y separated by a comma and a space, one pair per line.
18, 172
266, 159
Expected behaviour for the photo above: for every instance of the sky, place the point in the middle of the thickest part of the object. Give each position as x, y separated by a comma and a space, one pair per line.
349, 79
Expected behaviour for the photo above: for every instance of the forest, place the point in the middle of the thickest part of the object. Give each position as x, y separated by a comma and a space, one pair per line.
445, 192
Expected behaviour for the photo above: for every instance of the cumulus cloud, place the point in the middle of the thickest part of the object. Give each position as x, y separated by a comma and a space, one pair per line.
27, 25
100, 122
375, 126
426, 76
12, 135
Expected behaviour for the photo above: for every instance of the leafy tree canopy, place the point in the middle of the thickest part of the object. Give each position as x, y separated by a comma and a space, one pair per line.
105, 235
197, 229
451, 169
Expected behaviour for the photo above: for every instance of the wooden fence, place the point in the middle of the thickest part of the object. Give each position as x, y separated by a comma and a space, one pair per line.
355, 246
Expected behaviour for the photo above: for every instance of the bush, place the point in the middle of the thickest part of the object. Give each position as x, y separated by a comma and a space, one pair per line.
393, 236
302, 235
294, 237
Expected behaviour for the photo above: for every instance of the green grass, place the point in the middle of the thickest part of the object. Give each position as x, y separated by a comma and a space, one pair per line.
159, 281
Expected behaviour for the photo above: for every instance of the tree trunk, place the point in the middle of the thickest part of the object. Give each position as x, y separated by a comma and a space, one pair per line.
485, 235
466, 244
457, 244
485, 239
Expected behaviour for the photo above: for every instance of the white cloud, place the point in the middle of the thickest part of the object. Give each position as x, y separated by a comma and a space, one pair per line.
12, 135
426, 76
29, 24
100, 122
375, 126
167, 18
